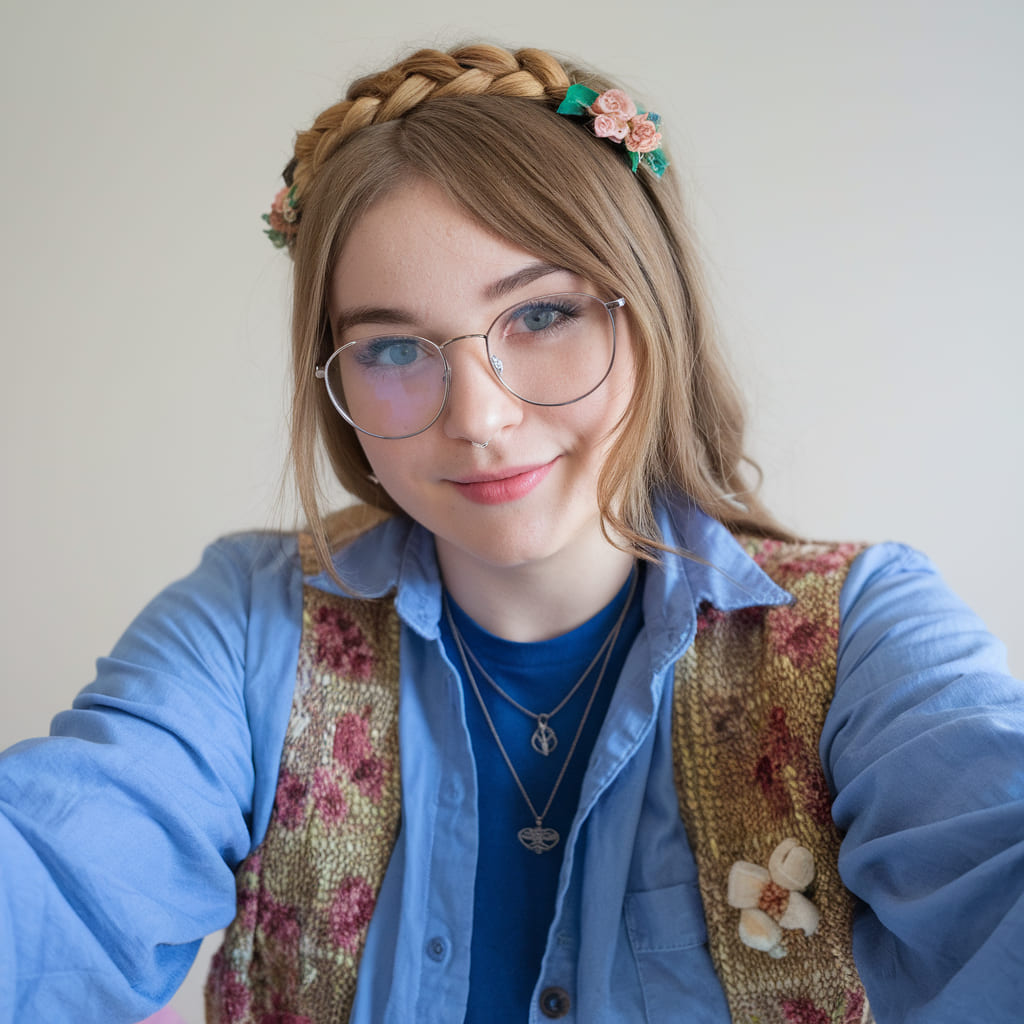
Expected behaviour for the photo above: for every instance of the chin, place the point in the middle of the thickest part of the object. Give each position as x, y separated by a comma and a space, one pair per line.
513, 548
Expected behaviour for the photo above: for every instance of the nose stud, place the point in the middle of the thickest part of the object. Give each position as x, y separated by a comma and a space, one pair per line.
477, 444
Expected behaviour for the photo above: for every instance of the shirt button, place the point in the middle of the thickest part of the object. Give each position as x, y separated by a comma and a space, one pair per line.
554, 1002
437, 948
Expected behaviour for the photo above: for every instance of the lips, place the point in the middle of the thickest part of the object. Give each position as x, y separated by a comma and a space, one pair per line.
502, 486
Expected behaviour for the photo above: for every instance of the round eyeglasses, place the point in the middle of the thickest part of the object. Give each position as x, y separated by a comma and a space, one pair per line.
551, 350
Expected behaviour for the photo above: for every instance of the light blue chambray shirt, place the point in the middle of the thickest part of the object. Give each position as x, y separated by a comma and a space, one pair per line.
119, 835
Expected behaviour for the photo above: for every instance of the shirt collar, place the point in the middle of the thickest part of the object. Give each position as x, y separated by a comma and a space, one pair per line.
395, 556
719, 572
398, 555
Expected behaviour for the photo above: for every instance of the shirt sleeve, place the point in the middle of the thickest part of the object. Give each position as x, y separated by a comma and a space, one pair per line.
120, 831
924, 748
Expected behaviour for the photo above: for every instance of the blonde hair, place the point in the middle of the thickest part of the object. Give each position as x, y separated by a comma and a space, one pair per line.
480, 123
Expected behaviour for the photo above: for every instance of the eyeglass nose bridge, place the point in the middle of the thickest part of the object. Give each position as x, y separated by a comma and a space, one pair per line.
495, 362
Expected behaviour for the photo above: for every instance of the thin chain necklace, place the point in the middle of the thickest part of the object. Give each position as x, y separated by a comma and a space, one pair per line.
544, 739
537, 838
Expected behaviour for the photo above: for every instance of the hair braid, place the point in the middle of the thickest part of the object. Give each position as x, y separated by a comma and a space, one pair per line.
387, 95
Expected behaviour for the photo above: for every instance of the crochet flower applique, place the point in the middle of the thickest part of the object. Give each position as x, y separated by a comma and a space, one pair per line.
617, 118
283, 219
772, 900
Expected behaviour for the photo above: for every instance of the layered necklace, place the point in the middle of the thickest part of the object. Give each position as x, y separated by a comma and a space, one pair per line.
539, 838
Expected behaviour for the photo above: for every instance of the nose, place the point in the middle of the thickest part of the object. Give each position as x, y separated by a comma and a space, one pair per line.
478, 406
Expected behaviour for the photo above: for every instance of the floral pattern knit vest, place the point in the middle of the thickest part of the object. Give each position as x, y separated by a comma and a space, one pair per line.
750, 699
306, 894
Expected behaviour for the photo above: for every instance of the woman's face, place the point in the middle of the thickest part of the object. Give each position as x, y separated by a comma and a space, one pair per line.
416, 264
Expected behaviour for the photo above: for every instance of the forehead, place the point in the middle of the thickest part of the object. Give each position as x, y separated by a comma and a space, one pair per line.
414, 245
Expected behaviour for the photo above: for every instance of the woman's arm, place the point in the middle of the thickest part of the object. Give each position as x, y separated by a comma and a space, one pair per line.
924, 746
119, 833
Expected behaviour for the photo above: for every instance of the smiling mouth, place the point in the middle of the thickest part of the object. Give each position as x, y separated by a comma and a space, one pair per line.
503, 486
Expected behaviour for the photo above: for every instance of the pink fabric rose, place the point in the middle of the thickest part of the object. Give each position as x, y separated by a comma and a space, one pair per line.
275, 219
283, 215
615, 103
643, 135
608, 127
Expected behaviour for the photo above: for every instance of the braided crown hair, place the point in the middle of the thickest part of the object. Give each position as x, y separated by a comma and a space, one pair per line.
428, 74
480, 123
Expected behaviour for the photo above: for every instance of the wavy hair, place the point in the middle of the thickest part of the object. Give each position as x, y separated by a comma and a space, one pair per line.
480, 123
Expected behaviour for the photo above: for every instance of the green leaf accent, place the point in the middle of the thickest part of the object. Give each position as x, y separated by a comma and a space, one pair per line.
577, 99
656, 161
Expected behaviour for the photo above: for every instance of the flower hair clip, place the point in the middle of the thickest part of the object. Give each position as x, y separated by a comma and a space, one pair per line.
283, 219
616, 117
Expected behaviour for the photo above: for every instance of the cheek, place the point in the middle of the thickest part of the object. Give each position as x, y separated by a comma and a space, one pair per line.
369, 452
394, 463
378, 457
600, 418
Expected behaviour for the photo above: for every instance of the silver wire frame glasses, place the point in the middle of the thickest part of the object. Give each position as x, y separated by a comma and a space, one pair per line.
550, 350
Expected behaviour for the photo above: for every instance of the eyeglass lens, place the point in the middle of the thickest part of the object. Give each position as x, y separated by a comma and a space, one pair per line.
552, 350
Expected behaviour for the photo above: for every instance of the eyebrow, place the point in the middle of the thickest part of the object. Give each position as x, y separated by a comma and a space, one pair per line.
399, 317
371, 315
527, 275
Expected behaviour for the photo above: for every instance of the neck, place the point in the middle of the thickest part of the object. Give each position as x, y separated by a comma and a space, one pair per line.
537, 600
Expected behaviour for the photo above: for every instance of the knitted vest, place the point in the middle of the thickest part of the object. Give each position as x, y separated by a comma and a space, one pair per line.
751, 695
750, 699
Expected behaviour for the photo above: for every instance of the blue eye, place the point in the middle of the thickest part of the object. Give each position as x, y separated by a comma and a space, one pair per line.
538, 319
398, 352
535, 317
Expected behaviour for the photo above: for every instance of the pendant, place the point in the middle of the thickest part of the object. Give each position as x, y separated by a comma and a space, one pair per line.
538, 839
543, 739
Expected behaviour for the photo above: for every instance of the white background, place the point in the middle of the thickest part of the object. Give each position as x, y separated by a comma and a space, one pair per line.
854, 172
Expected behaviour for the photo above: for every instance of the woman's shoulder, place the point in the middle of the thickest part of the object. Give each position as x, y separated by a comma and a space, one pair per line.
909, 645
341, 528
241, 579
866, 568
896, 611
249, 553
894, 585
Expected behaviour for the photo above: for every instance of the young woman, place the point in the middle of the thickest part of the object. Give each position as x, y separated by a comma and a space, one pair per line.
558, 723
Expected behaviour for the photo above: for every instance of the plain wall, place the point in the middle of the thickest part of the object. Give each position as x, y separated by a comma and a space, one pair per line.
854, 172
